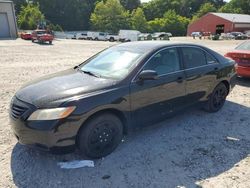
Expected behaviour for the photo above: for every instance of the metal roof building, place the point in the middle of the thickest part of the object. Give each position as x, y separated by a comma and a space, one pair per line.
217, 23
8, 27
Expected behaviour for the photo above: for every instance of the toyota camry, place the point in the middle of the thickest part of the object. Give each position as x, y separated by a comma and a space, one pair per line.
125, 87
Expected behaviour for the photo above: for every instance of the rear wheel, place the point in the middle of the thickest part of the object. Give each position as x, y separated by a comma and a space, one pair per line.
50, 42
217, 98
100, 136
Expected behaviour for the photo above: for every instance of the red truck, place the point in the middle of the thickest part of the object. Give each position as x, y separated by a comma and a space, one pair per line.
42, 36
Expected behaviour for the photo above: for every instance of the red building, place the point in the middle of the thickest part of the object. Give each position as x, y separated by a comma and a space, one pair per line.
217, 23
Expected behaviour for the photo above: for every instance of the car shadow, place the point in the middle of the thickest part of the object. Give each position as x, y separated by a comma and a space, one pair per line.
243, 81
179, 151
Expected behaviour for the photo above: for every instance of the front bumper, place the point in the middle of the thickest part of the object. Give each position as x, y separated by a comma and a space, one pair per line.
46, 135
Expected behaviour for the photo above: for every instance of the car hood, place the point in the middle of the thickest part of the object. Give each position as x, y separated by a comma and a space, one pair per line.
59, 86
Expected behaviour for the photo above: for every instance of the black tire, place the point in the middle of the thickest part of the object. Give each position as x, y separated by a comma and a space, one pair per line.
100, 136
217, 98
111, 39
32, 40
50, 42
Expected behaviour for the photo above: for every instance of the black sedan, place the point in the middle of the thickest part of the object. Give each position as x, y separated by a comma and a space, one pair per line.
121, 88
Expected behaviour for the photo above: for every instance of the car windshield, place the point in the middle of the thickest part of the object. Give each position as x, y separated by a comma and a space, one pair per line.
244, 46
114, 63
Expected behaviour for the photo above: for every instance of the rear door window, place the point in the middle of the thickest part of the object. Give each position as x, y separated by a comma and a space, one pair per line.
210, 59
193, 57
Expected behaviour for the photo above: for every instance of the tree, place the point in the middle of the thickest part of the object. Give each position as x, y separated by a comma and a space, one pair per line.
156, 25
187, 8
228, 8
130, 4
138, 20
30, 16
171, 22
175, 23
237, 6
70, 14
204, 9
110, 16
19, 4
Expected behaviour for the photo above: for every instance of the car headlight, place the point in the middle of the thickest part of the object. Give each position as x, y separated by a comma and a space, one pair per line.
52, 114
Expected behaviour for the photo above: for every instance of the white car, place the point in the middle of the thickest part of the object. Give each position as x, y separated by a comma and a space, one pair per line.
112, 38
196, 34
92, 35
128, 35
81, 36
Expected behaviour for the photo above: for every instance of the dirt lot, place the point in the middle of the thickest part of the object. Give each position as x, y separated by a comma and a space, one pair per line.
189, 150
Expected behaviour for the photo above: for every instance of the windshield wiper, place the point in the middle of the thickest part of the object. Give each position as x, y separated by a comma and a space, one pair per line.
90, 73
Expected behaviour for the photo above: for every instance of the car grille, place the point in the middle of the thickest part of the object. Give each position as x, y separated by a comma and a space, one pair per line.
17, 108
17, 111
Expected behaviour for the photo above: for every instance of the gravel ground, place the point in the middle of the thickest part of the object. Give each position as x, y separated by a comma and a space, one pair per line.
193, 149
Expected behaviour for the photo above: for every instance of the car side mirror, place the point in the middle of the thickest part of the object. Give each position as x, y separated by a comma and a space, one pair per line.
148, 75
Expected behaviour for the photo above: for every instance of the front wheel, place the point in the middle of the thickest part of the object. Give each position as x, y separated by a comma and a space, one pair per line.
100, 136
217, 98
50, 42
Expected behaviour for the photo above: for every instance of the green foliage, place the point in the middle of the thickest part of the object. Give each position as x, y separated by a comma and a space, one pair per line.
30, 16
70, 14
175, 24
110, 16
19, 4
187, 8
130, 4
156, 25
204, 9
171, 22
138, 20
236, 6
229, 9
53, 27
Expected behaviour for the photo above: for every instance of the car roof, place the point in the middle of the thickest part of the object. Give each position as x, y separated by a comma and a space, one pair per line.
153, 45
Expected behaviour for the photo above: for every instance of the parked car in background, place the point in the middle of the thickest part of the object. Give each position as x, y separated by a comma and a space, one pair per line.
227, 36
241, 37
70, 35
241, 55
120, 89
128, 35
81, 36
169, 34
112, 37
42, 36
26, 35
93, 35
160, 36
145, 36
235, 34
196, 34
